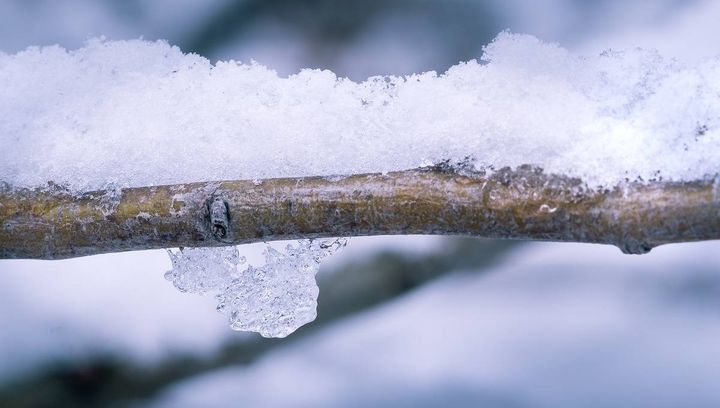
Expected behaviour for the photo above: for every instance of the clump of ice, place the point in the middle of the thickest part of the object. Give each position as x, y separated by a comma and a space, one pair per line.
273, 299
133, 113
203, 270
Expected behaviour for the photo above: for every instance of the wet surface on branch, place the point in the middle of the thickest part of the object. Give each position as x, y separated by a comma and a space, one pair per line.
524, 203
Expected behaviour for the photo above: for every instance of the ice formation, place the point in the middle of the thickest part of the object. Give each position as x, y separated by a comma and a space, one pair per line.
273, 299
135, 113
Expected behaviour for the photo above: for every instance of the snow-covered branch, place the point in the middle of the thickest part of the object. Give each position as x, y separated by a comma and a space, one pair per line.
628, 141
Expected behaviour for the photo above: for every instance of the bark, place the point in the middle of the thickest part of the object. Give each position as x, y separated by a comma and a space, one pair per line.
518, 204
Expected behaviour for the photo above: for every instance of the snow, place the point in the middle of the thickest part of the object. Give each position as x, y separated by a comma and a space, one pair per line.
134, 113
113, 304
684, 32
554, 325
273, 299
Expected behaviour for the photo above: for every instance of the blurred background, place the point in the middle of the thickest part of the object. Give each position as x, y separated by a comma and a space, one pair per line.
402, 321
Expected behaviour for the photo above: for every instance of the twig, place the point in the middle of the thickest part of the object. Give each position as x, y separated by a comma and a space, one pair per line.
517, 204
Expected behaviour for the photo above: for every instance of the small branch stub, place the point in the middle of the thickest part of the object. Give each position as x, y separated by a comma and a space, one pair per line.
219, 219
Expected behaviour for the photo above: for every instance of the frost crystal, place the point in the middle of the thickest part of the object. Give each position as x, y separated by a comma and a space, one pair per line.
201, 270
273, 299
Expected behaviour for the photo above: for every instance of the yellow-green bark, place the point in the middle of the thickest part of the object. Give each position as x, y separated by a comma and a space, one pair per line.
516, 204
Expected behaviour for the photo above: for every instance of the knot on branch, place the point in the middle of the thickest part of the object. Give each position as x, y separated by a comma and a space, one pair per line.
219, 217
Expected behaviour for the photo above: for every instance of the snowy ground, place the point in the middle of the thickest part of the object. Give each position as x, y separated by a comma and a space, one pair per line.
556, 325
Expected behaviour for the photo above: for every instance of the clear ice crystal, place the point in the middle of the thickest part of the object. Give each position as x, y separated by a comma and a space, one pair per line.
273, 299
202, 270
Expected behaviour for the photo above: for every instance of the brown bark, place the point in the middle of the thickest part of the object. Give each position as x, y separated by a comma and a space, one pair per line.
517, 204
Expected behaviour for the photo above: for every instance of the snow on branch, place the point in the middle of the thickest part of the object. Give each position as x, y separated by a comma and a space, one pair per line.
115, 146
134, 113
86, 134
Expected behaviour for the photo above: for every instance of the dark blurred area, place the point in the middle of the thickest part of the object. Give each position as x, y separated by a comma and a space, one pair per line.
439, 34
421, 322
353, 38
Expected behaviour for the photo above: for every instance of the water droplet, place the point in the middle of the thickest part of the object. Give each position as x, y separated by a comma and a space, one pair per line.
547, 209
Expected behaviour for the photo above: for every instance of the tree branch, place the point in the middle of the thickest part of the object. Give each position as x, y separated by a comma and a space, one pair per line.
517, 204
